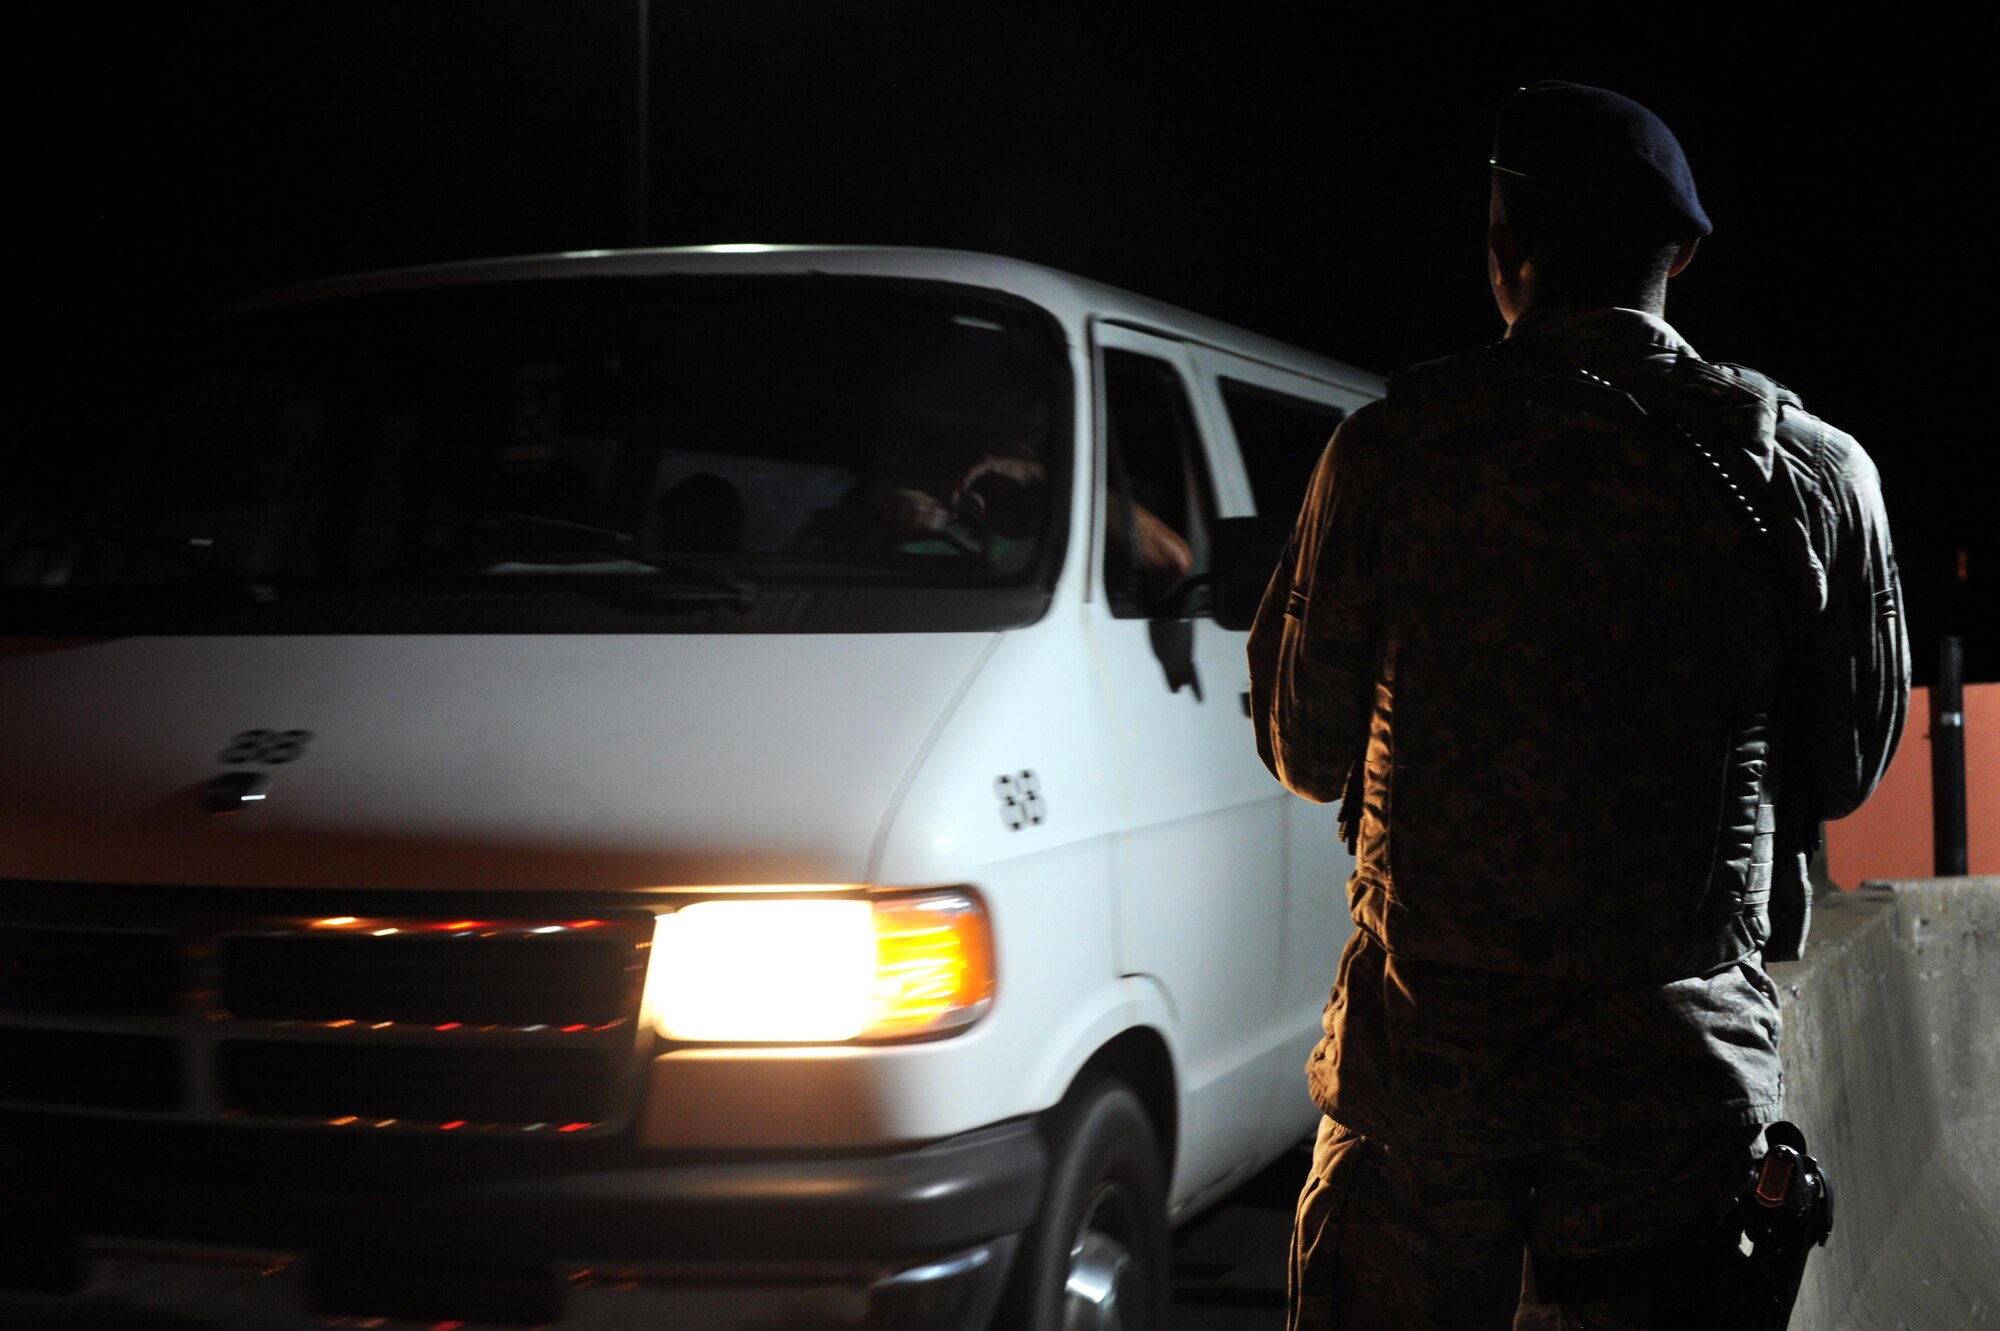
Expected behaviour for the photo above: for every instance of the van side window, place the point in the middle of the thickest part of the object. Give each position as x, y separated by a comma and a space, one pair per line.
1281, 438
1157, 505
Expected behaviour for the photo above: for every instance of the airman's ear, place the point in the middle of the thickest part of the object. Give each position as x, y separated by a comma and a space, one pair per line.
1685, 256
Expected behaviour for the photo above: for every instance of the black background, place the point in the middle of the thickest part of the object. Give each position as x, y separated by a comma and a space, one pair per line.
1316, 173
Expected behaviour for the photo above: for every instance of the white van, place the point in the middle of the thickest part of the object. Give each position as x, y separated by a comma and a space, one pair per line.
711, 783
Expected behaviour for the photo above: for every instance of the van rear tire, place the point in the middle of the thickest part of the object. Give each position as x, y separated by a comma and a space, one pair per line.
1098, 1257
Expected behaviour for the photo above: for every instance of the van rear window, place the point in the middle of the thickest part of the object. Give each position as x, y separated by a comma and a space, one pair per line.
618, 453
1281, 438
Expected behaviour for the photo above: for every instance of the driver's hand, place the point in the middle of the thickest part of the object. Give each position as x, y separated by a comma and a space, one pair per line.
912, 512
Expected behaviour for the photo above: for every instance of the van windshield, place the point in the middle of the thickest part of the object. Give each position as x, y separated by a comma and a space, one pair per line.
617, 455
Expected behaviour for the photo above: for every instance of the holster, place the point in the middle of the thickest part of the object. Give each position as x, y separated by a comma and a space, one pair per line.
1744, 1275
1777, 1224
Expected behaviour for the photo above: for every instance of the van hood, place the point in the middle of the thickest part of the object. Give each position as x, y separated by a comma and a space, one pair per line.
587, 762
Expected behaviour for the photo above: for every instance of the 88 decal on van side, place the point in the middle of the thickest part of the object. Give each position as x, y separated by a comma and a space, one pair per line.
265, 746
1020, 799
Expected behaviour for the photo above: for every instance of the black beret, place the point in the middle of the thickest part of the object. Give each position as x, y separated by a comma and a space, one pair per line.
1595, 140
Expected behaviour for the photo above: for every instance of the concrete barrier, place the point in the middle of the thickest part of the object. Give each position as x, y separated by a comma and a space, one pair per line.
1892, 1067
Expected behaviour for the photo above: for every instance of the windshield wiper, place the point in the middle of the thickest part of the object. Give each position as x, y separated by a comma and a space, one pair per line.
538, 522
710, 583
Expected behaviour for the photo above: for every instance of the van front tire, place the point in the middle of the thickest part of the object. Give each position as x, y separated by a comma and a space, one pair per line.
1098, 1258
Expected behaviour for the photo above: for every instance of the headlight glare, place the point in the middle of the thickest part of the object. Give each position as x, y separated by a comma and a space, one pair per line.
757, 970
762, 970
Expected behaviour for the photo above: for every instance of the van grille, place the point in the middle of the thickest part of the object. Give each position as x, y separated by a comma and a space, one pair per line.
283, 1079
510, 979
391, 1020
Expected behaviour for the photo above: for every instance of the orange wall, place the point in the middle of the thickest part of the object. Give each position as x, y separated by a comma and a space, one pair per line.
1890, 835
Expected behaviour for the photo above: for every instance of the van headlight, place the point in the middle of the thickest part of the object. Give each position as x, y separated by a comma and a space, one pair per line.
895, 965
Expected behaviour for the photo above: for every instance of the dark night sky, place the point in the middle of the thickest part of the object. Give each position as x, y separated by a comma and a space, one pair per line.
1319, 178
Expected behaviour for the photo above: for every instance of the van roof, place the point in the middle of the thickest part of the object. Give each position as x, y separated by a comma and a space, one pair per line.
1071, 298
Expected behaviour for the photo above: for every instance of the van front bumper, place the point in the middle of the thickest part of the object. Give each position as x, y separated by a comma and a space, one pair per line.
919, 1237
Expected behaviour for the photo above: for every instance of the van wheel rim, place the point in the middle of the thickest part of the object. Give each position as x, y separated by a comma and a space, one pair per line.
1104, 1291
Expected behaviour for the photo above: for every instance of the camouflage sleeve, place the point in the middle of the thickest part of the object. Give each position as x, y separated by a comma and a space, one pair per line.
1857, 658
1312, 649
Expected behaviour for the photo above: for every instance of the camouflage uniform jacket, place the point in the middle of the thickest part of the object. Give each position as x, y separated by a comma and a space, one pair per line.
1607, 629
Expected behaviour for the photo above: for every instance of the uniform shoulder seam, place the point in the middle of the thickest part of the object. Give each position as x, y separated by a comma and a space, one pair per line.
1758, 381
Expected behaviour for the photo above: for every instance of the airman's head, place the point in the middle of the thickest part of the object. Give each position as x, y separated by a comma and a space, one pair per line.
1592, 202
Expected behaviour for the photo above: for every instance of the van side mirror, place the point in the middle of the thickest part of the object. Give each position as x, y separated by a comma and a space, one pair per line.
1243, 553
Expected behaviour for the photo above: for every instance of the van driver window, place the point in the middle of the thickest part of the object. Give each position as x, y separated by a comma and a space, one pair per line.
1156, 502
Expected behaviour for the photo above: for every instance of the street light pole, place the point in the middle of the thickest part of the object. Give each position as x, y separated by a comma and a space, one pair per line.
642, 115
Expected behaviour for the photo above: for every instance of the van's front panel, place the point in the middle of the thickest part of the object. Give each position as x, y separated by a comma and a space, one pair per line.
399, 719
495, 763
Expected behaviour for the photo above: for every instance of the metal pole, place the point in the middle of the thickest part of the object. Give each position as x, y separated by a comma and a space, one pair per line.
642, 116
1948, 760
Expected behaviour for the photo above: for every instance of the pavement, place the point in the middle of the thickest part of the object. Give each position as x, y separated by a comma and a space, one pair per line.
1229, 1262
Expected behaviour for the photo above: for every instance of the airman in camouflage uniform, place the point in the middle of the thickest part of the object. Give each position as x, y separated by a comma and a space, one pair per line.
1587, 633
